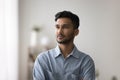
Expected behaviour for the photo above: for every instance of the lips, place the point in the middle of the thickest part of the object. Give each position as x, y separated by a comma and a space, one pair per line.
60, 36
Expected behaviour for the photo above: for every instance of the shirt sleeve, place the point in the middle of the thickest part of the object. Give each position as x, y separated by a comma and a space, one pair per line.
88, 69
38, 73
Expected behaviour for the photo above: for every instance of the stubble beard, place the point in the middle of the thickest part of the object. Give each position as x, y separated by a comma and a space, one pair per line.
66, 41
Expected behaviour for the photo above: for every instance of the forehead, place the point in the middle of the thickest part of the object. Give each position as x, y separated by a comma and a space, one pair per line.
63, 21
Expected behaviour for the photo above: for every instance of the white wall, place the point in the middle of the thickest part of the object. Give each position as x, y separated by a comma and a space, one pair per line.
9, 40
99, 30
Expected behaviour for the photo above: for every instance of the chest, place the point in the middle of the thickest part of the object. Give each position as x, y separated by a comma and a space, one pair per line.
65, 69
69, 65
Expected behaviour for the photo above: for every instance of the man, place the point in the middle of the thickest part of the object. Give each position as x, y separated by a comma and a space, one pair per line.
65, 62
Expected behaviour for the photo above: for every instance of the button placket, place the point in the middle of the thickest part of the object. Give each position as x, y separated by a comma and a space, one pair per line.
66, 64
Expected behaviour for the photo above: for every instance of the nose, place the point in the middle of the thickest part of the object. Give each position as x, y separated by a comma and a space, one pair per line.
59, 30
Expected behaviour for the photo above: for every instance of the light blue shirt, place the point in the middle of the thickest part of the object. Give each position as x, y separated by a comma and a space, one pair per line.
51, 65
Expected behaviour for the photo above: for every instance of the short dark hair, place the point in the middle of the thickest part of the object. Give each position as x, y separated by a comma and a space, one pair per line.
67, 14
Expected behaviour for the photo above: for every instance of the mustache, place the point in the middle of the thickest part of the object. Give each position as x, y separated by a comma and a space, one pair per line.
60, 35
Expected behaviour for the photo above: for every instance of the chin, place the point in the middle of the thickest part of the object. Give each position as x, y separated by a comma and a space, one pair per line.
63, 42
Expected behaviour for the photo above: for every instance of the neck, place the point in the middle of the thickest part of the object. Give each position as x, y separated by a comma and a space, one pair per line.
66, 49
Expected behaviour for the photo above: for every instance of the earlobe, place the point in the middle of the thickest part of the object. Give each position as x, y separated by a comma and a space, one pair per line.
76, 32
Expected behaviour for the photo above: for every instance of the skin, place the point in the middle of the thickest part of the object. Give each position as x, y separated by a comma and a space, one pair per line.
65, 34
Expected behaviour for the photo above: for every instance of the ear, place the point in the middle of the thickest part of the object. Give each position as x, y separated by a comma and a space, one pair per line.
76, 32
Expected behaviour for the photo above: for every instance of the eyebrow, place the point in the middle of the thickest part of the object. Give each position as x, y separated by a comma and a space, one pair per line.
64, 24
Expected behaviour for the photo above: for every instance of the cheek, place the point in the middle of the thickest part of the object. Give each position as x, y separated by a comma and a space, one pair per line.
69, 33
55, 31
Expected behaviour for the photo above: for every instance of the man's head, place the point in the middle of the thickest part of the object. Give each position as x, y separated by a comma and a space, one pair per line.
67, 14
67, 25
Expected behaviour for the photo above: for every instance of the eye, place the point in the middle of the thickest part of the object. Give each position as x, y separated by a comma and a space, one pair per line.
57, 26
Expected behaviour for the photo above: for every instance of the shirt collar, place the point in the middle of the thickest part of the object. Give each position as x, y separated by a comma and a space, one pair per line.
57, 51
75, 53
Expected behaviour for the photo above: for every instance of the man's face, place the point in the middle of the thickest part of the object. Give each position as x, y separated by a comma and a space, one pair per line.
65, 31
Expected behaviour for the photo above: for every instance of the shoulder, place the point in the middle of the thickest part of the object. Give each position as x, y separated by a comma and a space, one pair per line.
85, 57
45, 54
81, 54
87, 60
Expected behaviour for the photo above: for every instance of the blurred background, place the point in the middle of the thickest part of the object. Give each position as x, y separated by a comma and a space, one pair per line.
27, 28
